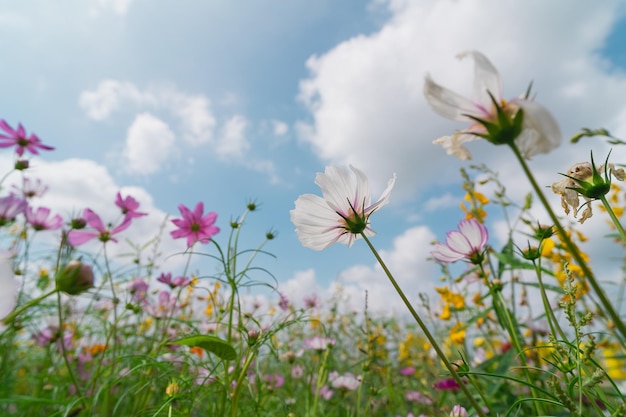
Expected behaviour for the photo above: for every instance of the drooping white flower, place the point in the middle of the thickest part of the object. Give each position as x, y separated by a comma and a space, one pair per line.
8, 285
540, 132
342, 214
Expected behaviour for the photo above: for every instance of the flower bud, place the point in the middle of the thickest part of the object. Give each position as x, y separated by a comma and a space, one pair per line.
458, 411
22, 164
75, 278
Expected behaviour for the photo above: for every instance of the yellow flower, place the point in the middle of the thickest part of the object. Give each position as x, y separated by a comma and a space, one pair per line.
457, 334
445, 312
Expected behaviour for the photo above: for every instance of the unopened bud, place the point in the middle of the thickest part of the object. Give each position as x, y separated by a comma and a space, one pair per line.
75, 278
22, 164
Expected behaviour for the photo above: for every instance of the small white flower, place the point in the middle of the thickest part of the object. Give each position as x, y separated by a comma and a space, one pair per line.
342, 214
540, 132
8, 285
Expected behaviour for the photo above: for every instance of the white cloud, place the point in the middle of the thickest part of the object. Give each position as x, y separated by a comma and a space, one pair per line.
365, 94
119, 7
280, 128
150, 142
233, 143
196, 117
109, 96
441, 202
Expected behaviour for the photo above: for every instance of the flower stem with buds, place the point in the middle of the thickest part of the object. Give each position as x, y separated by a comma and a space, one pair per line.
606, 304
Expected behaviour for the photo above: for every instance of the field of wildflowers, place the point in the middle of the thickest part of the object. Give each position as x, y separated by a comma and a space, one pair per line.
82, 334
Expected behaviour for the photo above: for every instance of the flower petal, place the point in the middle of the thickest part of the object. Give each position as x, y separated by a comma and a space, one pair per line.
541, 134
486, 80
453, 145
316, 223
448, 103
443, 253
8, 285
475, 232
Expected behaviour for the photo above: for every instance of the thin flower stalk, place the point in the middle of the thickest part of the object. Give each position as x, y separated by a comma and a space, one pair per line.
606, 304
614, 219
427, 333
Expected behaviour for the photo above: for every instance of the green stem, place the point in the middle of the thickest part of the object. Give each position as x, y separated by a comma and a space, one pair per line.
427, 333
616, 222
9, 319
608, 308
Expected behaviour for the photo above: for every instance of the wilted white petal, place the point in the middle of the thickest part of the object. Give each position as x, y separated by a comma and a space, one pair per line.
541, 132
8, 285
453, 145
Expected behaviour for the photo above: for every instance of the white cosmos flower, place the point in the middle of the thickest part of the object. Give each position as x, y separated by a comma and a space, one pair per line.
8, 285
540, 133
343, 212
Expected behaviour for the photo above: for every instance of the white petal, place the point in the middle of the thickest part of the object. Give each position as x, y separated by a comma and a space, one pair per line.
486, 80
8, 285
316, 223
448, 103
453, 145
541, 132
338, 188
444, 254
458, 242
384, 198
475, 232
362, 197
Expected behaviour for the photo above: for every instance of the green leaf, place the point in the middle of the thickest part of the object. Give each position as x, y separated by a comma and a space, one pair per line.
210, 344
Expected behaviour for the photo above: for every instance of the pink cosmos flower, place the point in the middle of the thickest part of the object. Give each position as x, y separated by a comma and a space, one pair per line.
458, 411
128, 205
30, 188
343, 213
10, 207
138, 289
194, 226
347, 381
318, 343
283, 303
466, 243
18, 139
78, 237
173, 283
41, 220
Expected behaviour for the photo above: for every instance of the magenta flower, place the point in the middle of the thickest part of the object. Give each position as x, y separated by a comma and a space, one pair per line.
448, 384
283, 303
41, 220
128, 205
466, 243
18, 139
347, 381
10, 207
194, 226
138, 289
78, 237
173, 283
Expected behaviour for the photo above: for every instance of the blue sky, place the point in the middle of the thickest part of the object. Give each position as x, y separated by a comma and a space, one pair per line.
227, 101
